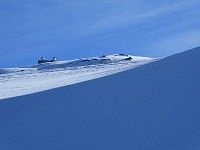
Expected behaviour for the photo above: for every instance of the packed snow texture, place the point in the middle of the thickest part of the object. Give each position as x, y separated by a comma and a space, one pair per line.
40, 77
152, 107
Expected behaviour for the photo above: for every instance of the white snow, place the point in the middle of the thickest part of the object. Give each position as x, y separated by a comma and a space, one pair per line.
152, 107
36, 78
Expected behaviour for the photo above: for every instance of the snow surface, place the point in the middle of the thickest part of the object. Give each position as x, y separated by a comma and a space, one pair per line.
36, 78
152, 107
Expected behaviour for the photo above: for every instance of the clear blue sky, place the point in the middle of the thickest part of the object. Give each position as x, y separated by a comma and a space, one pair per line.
71, 29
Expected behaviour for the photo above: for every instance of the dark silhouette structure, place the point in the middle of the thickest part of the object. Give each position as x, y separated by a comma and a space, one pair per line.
43, 60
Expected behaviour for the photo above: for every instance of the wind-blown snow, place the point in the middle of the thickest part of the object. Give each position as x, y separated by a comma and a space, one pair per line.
36, 78
152, 107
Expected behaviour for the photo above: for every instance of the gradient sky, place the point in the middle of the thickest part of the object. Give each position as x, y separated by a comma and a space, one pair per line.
71, 29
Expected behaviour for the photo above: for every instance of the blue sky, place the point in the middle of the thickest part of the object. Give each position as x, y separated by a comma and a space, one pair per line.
71, 29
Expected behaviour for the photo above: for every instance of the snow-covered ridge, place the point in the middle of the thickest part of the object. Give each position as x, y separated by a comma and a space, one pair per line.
102, 60
153, 107
40, 77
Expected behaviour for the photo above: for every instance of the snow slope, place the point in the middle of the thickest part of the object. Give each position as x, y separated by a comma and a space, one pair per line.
152, 107
36, 78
